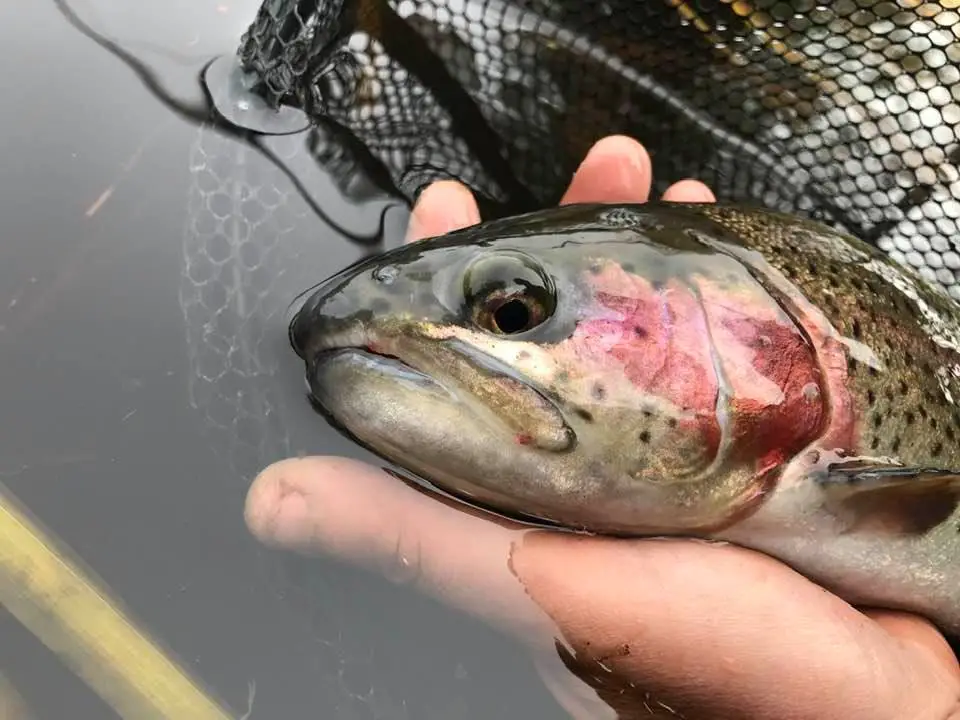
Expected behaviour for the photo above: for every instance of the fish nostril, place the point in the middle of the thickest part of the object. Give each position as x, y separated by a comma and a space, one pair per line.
386, 274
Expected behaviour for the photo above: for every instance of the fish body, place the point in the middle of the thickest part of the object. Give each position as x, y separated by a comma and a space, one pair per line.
704, 370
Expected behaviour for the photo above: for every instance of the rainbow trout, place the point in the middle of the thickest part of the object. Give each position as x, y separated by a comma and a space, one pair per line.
700, 370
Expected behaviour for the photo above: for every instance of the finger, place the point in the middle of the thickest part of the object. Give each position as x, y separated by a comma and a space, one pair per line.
642, 610
361, 515
688, 191
918, 633
760, 640
617, 169
442, 207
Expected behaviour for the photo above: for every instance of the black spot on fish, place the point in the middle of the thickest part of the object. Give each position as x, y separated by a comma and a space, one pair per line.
639, 332
907, 358
903, 387
852, 364
857, 331
871, 398
585, 415
598, 391
563, 376
909, 417
647, 413
875, 443
628, 267
896, 444
936, 449
877, 420
645, 437
672, 422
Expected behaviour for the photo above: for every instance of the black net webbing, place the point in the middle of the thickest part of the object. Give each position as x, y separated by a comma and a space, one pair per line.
846, 111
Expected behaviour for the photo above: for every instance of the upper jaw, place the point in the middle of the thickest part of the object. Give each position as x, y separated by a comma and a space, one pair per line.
359, 337
312, 333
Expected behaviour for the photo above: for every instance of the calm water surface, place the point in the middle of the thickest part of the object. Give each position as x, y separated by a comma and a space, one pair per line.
138, 403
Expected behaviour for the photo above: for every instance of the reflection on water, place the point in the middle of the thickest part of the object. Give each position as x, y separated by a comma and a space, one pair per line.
245, 256
245, 253
153, 260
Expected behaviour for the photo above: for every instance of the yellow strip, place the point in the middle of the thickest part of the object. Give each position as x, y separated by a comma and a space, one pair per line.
54, 599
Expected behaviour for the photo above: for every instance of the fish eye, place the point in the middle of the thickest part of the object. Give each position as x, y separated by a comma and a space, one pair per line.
508, 293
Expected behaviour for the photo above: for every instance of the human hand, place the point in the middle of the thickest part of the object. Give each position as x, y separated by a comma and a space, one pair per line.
654, 627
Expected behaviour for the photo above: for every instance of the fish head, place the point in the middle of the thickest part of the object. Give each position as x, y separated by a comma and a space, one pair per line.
592, 367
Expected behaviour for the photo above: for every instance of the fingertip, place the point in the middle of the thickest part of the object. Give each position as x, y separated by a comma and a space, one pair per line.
619, 145
444, 206
319, 504
359, 514
690, 191
914, 630
276, 508
616, 169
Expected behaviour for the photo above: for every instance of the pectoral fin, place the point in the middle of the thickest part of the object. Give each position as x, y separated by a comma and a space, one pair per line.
890, 499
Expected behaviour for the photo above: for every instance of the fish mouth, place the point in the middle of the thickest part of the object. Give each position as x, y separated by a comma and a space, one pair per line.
449, 371
359, 345
380, 363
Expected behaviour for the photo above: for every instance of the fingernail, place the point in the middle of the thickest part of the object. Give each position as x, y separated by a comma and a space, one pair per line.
624, 149
615, 169
455, 216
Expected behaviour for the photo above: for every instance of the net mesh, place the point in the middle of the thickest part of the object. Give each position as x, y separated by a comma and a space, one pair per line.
843, 111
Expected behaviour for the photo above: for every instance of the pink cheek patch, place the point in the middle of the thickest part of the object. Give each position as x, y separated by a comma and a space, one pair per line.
774, 381
686, 340
655, 337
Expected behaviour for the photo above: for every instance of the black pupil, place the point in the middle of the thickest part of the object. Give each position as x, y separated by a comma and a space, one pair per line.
512, 317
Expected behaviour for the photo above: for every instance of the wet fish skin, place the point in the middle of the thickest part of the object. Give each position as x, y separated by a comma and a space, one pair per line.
705, 370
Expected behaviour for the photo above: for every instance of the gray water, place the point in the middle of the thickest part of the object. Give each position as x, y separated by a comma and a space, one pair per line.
122, 428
